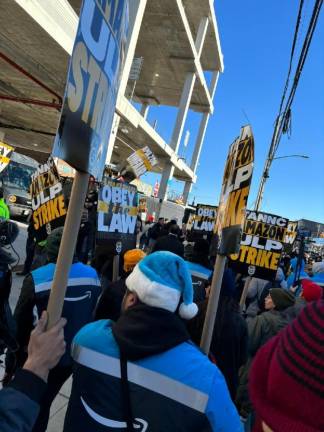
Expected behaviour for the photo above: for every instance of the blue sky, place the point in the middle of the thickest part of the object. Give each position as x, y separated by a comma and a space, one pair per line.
256, 39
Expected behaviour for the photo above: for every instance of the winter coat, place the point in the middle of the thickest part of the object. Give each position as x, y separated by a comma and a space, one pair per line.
255, 289
229, 346
156, 231
265, 326
110, 301
4, 210
260, 329
19, 402
169, 243
175, 389
81, 298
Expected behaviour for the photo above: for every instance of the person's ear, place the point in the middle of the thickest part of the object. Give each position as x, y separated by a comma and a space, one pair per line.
132, 299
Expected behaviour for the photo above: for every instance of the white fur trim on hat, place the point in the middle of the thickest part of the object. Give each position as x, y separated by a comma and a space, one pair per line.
189, 311
152, 293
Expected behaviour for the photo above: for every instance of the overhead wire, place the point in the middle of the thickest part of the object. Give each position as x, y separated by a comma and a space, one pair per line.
283, 120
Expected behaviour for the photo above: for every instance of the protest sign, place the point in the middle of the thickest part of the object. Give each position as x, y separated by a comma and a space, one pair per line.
86, 119
290, 236
5, 154
235, 191
117, 215
262, 244
204, 218
92, 86
48, 203
201, 224
230, 219
142, 205
142, 160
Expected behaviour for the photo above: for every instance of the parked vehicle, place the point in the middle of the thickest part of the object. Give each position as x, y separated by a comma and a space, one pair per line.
15, 180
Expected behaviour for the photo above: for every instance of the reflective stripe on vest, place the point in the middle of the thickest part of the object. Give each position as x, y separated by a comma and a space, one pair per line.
143, 377
83, 281
196, 273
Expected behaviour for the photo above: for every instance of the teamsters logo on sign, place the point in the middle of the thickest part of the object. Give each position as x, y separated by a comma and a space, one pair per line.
235, 191
262, 244
117, 213
92, 85
47, 200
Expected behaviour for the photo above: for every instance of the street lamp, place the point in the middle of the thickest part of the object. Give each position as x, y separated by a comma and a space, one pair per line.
291, 156
265, 176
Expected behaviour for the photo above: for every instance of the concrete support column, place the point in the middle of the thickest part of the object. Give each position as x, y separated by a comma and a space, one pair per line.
200, 139
186, 191
183, 109
136, 13
144, 110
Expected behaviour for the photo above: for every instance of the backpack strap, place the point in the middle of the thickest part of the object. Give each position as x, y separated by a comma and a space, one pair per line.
127, 406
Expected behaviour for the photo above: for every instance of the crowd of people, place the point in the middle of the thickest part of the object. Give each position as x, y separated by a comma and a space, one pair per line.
132, 345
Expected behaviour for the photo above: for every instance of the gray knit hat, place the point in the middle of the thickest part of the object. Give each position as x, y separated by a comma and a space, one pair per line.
282, 298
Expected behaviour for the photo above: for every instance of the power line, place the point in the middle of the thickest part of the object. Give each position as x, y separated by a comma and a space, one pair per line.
301, 4
283, 120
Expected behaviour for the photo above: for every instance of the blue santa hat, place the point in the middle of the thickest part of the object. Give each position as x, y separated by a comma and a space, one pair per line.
161, 280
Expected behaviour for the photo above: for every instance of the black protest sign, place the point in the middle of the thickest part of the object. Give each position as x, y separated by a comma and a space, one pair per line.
201, 224
92, 85
290, 237
117, 216
204, 219
261, 245
235, 191
48, 203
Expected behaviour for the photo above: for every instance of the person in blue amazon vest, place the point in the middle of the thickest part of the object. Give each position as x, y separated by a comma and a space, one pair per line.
143, 372
81, 297
291, 277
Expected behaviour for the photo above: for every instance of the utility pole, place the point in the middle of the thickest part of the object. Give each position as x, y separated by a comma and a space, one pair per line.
267, 165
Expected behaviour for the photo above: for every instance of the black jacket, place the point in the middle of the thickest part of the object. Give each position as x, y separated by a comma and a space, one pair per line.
169, 243
109, 304
229, 344
156, 231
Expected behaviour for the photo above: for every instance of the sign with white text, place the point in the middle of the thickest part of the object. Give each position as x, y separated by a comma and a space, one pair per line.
262, 244
92, 85
142, 160
205, 218
48, 203
117, 214
235, 191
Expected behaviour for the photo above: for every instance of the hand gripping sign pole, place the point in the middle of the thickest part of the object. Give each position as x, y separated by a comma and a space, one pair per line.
230, 219
87, 117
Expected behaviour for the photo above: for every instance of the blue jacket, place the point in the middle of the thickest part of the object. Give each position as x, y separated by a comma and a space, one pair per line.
19, 402
178, 390
83, 291
81, 297
291, 277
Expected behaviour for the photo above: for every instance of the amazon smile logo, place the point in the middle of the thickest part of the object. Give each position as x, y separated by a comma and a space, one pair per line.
75, 299
140, 424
